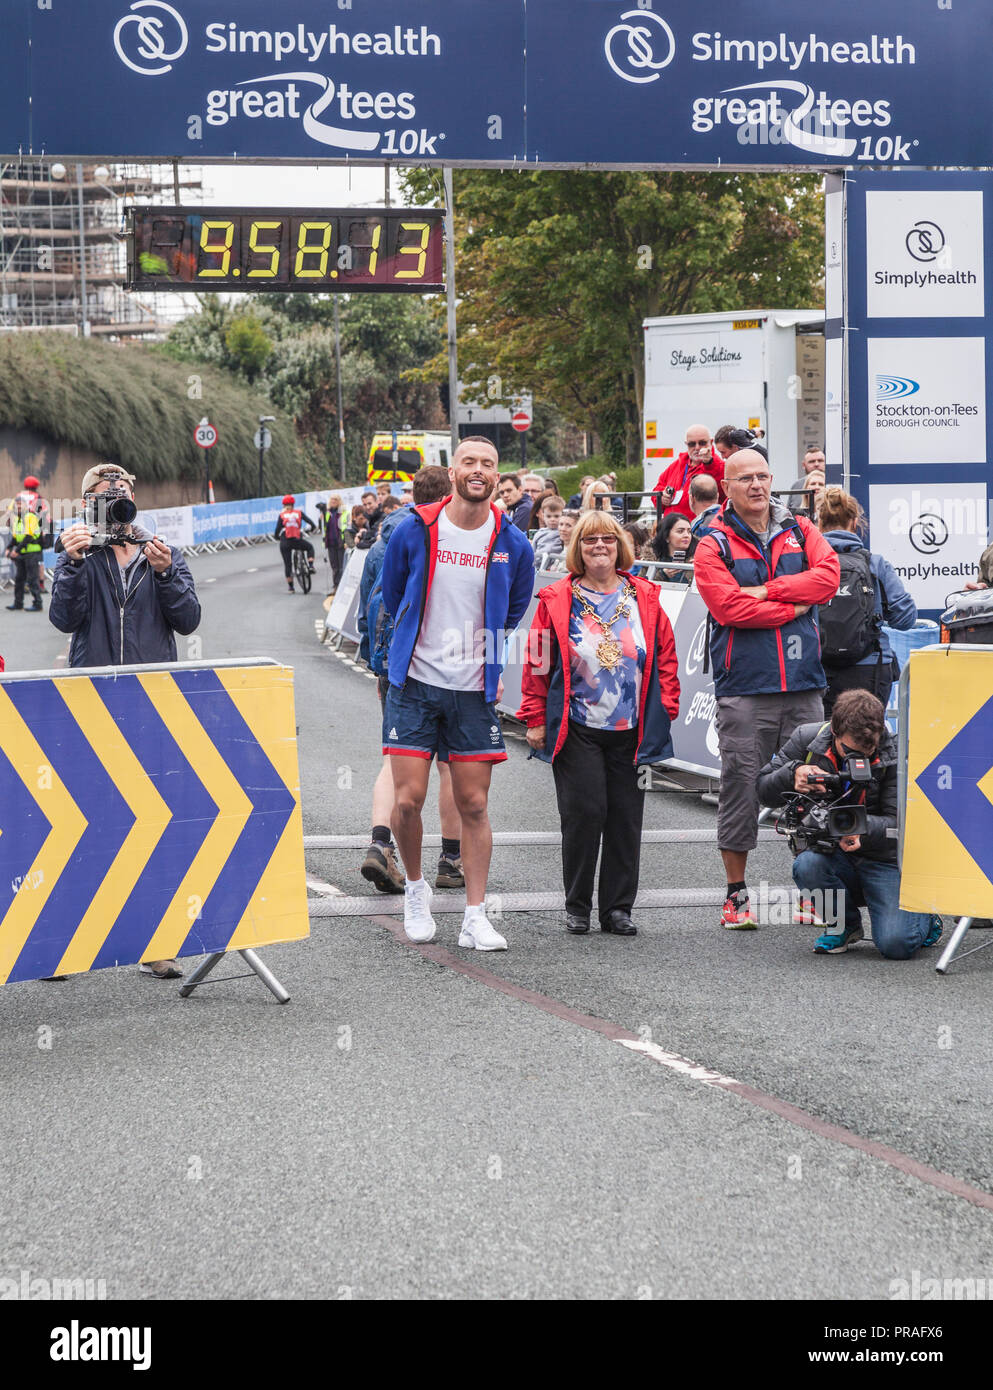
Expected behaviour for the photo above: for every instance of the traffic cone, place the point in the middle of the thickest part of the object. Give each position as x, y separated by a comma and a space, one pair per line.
210, 491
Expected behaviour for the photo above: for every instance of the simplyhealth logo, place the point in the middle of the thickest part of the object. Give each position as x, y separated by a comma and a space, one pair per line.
640, 46
149, 44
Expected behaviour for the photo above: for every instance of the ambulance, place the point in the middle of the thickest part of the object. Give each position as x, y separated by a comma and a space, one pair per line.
396, 456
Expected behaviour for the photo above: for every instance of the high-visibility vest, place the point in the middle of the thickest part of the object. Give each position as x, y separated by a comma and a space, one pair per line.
26, 532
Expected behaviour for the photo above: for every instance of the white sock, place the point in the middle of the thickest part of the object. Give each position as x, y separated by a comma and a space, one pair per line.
413, 882
477, 911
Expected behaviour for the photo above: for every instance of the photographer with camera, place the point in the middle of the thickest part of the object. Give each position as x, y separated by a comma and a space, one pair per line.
121, 592
837, 784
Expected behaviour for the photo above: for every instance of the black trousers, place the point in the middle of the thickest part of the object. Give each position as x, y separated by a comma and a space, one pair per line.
600, 803
286, 548
26, 569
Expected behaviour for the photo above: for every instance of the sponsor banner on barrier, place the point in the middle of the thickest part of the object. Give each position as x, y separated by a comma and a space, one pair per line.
924, 254
927, 400
146, 815
947, 864
174, 525
931, 534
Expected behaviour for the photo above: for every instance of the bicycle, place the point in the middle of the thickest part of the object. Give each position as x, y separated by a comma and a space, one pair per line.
301, 570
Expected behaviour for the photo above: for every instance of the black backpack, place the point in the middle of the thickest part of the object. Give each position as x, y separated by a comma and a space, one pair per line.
849, 624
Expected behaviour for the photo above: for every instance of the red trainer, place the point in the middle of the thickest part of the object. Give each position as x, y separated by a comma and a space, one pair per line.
737, 913
804, 914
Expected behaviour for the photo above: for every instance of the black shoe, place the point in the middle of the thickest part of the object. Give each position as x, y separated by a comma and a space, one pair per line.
36, 607
620, 924
579, 926
15, 607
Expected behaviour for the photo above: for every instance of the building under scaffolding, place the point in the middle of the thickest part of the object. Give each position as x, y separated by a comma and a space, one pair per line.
62, 250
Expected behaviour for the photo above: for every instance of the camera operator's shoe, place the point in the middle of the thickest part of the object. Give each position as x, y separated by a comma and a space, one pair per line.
934, 934
829, 945
737, 913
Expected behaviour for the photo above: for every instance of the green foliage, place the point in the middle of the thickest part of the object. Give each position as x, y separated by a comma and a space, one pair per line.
133, 406
558, 270
285, 345
247, 345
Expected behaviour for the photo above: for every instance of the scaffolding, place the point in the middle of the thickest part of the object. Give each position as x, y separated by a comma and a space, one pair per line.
62, 246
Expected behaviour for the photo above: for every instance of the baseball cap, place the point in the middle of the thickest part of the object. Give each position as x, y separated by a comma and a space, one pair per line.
105, 473
289, 500
31, 483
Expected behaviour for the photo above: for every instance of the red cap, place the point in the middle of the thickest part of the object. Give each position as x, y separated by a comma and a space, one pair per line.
289, 501
32, 483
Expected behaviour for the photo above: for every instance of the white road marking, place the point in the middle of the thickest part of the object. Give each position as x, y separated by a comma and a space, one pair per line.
253, 570
682, 1065
327, 890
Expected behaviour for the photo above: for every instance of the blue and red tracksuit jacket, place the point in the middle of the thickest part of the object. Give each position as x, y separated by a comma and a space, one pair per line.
408, 569
546, 684
757, 646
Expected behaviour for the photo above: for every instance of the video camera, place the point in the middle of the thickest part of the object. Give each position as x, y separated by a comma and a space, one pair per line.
810, 820
109, 516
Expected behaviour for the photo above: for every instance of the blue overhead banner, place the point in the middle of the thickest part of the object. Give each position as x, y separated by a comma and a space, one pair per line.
413, 81
616, 82
772, 82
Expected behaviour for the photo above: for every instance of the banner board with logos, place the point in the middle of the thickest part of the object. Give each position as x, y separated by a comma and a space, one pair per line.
917, 323
644, 83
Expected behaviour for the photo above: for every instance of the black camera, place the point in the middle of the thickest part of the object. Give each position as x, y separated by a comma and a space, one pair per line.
811, 820
109, 516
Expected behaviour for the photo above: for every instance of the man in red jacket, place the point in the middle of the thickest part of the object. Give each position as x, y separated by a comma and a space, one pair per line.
761, 572
698, 457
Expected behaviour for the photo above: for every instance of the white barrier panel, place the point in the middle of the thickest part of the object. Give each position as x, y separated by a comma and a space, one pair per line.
344, 608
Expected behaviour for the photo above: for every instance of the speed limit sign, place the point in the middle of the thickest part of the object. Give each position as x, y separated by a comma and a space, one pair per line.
205, 434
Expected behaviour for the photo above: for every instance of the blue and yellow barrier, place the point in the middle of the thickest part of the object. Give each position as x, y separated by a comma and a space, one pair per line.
147, 813
947, 863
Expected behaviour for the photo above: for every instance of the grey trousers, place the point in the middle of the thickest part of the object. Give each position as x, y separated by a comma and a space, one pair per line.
750, 729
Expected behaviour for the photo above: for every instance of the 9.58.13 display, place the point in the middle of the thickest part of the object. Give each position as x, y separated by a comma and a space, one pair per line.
297, 249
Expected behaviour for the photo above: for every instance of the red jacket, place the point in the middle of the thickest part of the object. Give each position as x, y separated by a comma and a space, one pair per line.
679, 475
758, 646
546, 684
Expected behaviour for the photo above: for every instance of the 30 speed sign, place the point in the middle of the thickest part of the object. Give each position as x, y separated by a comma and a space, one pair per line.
205, 435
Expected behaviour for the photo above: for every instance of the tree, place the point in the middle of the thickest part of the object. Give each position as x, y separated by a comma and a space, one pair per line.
556, 272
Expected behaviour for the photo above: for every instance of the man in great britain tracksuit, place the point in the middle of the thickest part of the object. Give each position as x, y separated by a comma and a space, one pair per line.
760, 571
457, 578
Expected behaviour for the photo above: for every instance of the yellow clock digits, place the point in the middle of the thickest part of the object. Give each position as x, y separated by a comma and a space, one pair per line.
266, 272
223, 250
421, 252
304, 249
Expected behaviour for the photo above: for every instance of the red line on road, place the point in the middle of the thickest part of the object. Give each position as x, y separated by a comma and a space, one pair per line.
683, 1066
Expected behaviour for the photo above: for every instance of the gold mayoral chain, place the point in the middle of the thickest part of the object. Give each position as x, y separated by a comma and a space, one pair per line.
608, 651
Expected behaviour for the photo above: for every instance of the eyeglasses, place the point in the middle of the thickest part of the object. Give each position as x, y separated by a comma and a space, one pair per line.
751, 478
592, 540
697, 443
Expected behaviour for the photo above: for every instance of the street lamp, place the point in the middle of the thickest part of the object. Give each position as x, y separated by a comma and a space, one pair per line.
263, 439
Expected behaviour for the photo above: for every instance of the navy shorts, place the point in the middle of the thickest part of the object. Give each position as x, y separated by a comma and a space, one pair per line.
460, 726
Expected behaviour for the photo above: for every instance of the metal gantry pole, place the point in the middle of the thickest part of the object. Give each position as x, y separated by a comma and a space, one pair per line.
341, 418
82, 251
453, 356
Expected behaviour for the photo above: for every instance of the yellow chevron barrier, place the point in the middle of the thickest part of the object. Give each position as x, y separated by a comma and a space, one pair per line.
147, 813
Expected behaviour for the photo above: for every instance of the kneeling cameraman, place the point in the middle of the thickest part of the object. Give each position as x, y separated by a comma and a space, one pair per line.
838, 783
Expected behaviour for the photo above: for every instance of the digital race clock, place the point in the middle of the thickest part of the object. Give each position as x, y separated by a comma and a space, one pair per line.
302, 250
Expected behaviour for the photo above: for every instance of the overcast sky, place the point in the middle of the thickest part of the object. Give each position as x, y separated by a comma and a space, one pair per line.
268, 185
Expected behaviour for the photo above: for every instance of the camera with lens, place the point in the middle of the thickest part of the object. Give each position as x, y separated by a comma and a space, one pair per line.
818, 818
109, 515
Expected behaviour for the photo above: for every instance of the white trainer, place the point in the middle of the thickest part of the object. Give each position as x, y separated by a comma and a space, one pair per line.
478, 935
417, 920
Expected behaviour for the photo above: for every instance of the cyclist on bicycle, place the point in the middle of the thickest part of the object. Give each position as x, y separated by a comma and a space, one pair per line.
289, 533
